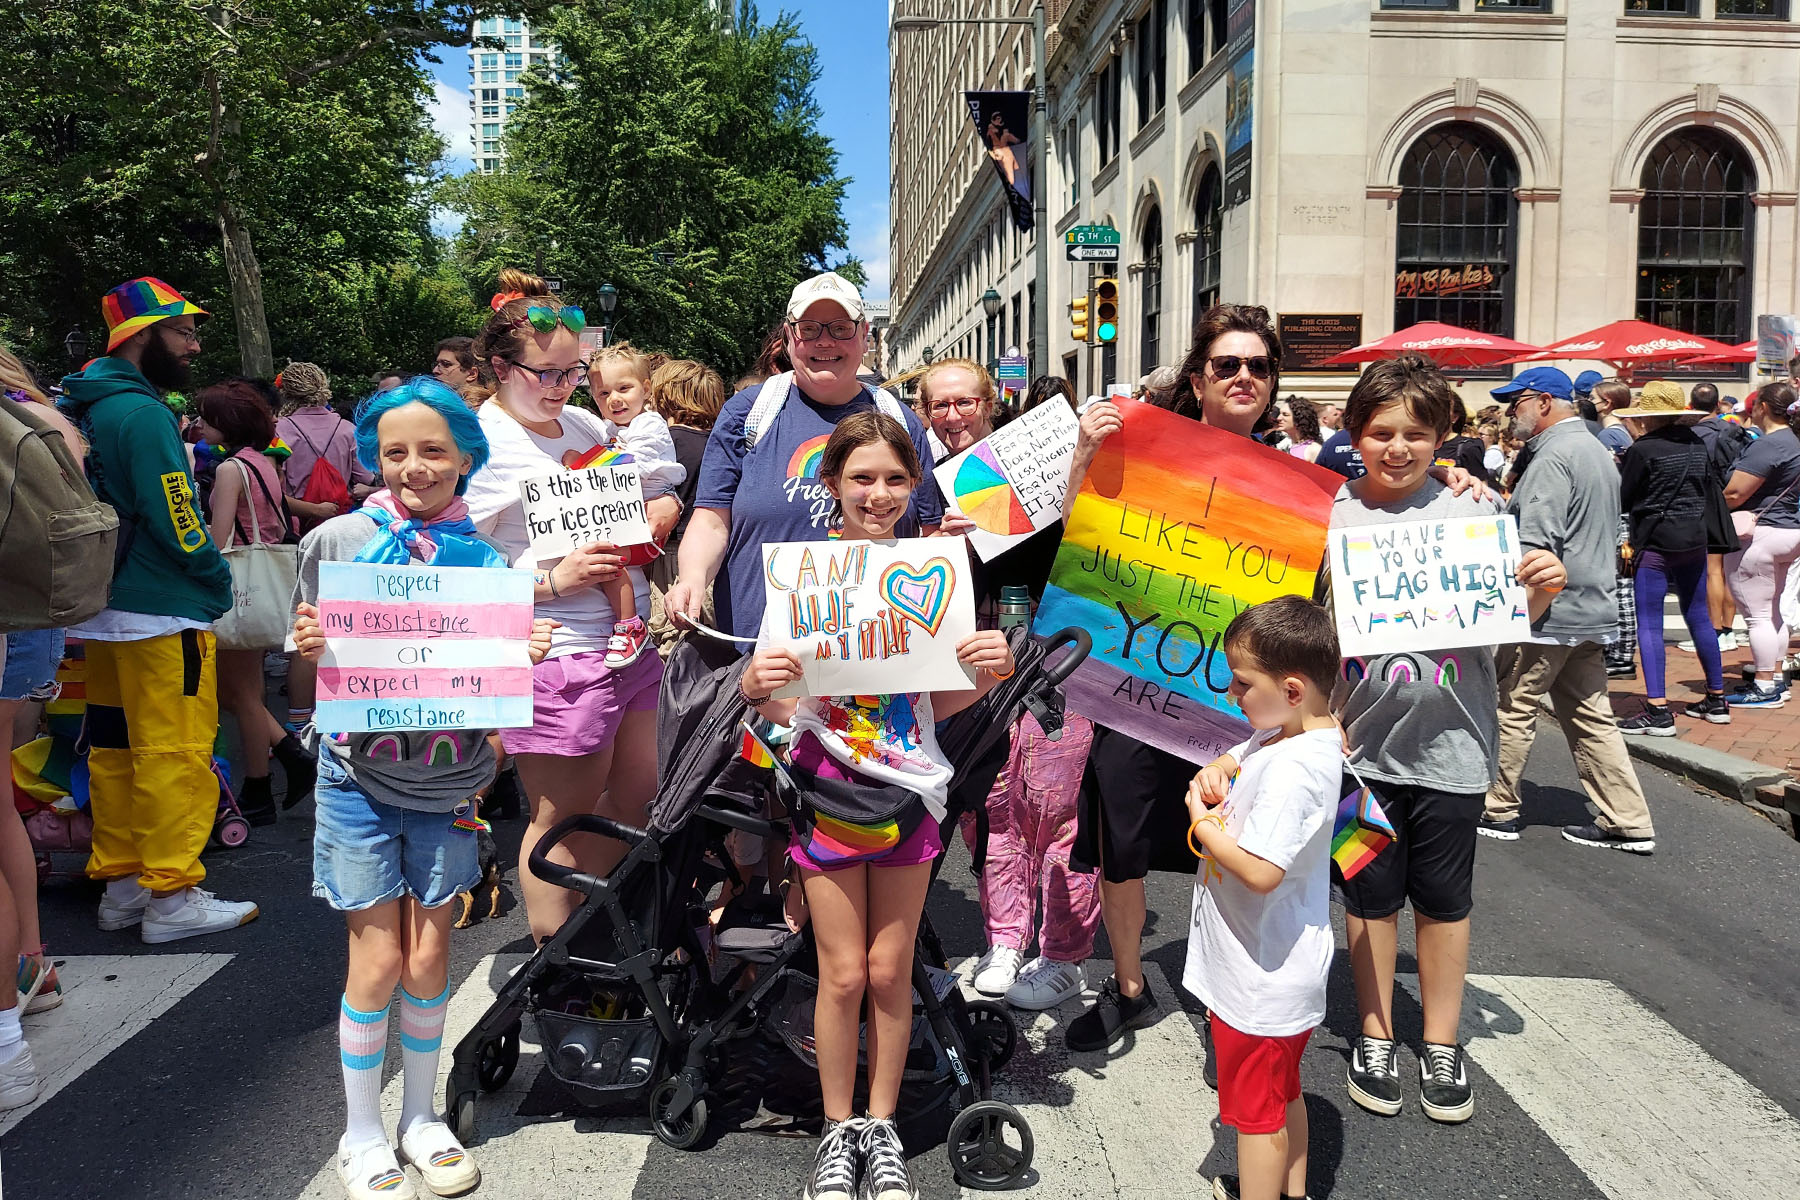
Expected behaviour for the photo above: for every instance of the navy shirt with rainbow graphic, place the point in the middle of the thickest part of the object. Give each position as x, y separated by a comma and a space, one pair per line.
774, 493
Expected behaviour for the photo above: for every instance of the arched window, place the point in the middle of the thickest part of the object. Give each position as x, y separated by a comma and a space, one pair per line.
1209, 223
1457, 228
1694, 231
1150, 295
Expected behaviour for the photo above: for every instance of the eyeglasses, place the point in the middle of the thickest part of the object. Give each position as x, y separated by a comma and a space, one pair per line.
543, 318
1225, 366
966, 405
553, 377
809, 331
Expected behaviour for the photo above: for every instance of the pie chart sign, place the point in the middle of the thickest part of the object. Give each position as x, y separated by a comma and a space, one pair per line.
986, 498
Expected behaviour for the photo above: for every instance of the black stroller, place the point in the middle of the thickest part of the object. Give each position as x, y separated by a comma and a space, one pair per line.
623, 996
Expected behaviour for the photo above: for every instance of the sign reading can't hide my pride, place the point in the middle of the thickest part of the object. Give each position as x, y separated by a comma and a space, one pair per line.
1011, 483
601, 502
870, 618
1177, 528
423, 648
1427, 585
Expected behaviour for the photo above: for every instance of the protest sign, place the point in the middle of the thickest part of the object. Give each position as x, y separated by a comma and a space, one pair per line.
601, 501
1011, 482
1427, 585
870, 618
1177, 528
423, 648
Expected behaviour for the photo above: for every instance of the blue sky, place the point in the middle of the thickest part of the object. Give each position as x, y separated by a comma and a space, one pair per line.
853, 98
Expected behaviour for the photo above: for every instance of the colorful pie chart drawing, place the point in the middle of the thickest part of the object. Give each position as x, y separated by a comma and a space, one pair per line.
985, 496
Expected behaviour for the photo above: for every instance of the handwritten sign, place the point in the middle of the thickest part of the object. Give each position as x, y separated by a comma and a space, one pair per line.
870, 618
603, 502
1177, 528
1011, 483
1427, 585
423, 648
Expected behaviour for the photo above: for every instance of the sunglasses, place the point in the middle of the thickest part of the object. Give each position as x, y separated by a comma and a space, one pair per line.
809, 331
553, 377
1225, 366
543, 318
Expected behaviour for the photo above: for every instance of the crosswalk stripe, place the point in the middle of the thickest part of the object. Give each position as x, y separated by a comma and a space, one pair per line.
108, 999
519, 1156
1643, 1111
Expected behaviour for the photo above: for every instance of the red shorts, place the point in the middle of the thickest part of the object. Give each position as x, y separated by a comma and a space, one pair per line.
1258, 1077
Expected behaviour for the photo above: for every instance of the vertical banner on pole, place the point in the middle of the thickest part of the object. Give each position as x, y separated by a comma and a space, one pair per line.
1003, 120
1240, 95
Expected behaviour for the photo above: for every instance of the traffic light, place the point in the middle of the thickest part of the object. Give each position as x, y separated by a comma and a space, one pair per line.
1078, 319
1106, 310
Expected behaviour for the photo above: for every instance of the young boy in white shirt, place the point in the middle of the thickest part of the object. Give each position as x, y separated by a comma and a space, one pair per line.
1260, 944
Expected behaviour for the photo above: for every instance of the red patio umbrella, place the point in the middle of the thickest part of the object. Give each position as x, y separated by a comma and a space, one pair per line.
1743, 352
1446, 345
1627, 345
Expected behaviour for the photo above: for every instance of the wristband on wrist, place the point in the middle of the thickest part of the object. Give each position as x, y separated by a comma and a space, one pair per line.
550, 578
1211, 818
748, 699
1009, 673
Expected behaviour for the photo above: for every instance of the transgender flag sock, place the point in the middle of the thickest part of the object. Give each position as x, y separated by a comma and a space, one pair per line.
362, 1043
421, 1038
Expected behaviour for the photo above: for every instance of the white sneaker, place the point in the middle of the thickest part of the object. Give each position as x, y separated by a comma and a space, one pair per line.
1728, 641
203, 913
122, 914
440, 1159
373, 1173
1045, 983
997, 970
18, 1080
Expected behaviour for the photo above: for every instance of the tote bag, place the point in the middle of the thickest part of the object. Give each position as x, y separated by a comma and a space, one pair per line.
263, 576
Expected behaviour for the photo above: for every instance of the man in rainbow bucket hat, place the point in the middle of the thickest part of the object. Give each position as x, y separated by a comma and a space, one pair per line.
153, 708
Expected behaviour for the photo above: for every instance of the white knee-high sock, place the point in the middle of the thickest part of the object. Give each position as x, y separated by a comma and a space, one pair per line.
11, 1038
421, 1038
362, 1044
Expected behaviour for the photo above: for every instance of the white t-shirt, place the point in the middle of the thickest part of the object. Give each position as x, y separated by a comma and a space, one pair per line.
652, 448
1260, 961
514, 454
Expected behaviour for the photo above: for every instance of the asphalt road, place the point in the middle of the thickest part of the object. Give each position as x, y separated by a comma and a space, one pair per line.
1677, 1067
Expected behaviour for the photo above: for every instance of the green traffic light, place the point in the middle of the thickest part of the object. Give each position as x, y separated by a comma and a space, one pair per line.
1108, 331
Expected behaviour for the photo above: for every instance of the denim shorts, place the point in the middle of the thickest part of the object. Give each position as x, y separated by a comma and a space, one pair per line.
366, 853
31, 661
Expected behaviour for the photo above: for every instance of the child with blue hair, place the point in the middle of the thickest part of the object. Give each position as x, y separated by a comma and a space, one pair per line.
396, 837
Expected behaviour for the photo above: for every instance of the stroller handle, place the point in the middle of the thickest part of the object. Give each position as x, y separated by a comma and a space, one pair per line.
1063, 667
569, 877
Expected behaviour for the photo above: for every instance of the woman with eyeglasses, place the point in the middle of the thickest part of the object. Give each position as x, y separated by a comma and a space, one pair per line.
591, 747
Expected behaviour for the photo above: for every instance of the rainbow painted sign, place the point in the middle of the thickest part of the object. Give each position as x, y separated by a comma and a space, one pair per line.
413, 648
1177, 528
870, 618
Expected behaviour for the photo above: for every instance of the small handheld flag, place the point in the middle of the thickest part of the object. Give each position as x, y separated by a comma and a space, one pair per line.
601, 455
1362, 831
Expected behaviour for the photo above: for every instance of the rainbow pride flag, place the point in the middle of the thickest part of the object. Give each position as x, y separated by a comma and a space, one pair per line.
1362, 831
755, 751
599, 456
1176, 529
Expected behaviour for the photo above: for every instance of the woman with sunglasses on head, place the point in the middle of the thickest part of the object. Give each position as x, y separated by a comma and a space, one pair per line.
591, 747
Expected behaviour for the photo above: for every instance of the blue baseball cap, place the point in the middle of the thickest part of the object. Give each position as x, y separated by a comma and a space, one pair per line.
1547, 380
1584, 382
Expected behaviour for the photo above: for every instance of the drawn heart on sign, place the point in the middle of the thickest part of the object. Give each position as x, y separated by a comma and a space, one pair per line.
921, 596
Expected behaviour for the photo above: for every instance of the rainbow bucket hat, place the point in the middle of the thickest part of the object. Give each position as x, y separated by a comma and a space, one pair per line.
143, 301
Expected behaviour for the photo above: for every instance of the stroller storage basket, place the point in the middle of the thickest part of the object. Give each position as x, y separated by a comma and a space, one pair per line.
601, 1056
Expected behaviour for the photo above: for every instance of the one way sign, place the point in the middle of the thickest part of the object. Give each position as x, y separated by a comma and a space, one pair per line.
1093, 254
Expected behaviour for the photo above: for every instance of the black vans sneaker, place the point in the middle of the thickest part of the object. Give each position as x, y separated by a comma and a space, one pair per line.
1112, 1014
1713, 709
1444, 1091
1505, 831
1373, 1079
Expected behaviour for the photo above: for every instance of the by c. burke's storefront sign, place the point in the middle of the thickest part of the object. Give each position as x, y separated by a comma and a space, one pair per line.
1446, 280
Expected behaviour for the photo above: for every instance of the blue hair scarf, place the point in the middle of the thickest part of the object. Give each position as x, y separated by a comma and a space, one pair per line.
447, 540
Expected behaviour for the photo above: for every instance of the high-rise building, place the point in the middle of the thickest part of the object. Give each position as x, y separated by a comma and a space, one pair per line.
494, 87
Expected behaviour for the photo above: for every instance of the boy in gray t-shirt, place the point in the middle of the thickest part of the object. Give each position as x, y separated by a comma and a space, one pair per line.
1422, 731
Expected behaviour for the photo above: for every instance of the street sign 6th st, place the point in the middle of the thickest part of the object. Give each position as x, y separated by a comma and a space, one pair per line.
1091, 235
1093, 253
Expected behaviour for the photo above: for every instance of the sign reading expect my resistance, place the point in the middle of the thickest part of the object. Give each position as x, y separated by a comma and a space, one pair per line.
571, 509
423, 648
1427, 585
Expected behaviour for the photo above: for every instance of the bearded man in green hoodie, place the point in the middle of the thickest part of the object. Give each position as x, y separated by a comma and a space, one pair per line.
152, 699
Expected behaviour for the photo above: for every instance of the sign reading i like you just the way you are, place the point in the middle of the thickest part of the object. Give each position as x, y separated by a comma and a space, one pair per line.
1427, 585
1177, 528
420, 647
870, 618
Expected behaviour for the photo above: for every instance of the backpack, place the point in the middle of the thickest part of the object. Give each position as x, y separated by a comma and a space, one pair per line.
774, 394
324, 485
48, 511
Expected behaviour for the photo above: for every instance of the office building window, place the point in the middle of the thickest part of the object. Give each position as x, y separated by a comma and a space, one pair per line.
1445, 4
1457, 226
1753, 10
1694, 231
1150, 291
1107, 93
1663, 8
1209, 224
1152, 59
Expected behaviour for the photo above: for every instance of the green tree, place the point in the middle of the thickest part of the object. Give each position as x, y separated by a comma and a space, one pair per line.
681, 163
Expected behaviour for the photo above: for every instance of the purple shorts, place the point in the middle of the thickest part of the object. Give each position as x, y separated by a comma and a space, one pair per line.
922, 846
578, 702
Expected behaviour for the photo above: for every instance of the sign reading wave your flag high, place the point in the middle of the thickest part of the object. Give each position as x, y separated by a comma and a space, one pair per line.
1427, 585
423, 648
1177, 528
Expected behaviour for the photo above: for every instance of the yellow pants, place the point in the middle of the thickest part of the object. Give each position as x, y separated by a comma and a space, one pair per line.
153, 712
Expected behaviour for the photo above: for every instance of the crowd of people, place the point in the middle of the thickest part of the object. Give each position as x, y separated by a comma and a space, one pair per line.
1654, 492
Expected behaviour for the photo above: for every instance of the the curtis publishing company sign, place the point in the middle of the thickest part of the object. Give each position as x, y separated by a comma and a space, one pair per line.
1446, 281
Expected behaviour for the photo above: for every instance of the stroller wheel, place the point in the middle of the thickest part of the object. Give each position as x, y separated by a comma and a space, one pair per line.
989, 1145
233, 832
462, 1117
683, 1132
497, 1059
996, 1037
